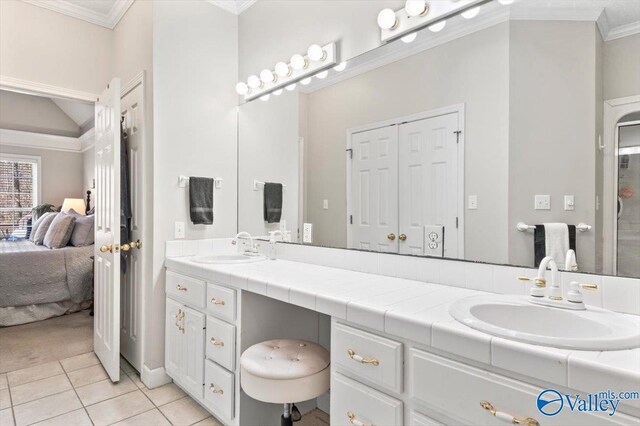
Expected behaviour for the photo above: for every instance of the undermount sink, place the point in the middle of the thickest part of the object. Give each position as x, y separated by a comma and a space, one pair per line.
515, 318
228, 258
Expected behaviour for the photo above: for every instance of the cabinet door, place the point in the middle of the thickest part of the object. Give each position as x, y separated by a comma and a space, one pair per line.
173, 348
192, 371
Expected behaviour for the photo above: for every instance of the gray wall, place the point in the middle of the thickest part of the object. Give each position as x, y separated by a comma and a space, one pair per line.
61, 173
622, 67
34, 114
195, 130
476, 70
552, 130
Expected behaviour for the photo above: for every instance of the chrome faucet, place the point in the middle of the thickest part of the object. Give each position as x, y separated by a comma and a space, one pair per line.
252, 250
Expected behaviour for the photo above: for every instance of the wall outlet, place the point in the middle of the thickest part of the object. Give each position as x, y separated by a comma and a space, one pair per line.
179, 230
542, 202
307, 233
569, 202
473, 202
325, 204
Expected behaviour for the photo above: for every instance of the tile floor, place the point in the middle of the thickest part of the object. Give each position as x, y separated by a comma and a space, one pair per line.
76, 391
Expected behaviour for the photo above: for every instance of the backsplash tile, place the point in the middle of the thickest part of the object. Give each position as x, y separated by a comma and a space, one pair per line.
621, 294
479, 276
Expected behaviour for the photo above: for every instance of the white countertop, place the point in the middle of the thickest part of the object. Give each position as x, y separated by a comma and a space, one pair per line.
419, 312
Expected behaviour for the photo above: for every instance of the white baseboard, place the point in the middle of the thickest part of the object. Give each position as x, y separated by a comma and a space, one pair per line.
154, 378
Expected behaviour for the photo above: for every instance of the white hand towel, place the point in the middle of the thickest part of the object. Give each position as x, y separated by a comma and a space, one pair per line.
556, 241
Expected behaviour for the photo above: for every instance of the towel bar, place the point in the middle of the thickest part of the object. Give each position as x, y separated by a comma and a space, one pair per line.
522, 227
257, 184
183, 180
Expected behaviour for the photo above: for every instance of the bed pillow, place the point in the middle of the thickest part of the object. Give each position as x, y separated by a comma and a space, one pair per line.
41, 227
82, 234
60, 230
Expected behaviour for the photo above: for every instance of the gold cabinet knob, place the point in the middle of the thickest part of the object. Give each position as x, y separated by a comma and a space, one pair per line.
181, 288
213, 389
215, 301
391, 236
106, 248
402, 237
362, 360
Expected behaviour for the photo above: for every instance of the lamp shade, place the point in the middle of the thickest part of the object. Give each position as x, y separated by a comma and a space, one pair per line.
77, 204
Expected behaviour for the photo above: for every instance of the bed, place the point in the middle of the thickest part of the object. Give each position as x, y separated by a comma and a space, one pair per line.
38, 283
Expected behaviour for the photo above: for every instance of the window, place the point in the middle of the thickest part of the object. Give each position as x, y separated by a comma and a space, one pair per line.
19, 193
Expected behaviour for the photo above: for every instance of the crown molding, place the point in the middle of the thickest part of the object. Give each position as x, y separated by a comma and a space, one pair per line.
623, 31
232, 6
88, 139
109, 20
39, 89
34, 140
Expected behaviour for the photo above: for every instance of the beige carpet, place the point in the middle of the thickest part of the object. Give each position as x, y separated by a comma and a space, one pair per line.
39, 342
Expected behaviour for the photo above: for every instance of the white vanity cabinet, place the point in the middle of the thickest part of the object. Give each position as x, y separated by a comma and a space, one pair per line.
200, 342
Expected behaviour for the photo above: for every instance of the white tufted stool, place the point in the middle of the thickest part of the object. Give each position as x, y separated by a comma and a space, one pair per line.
285, 371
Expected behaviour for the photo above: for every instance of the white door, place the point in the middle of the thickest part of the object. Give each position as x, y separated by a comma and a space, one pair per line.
132, 282
428, 182
374, 190
106, 328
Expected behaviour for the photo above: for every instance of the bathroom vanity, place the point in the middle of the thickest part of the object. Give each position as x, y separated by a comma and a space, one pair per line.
397, 356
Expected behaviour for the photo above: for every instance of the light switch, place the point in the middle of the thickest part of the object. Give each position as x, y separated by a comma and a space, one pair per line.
473, 202
179, 230
569, 202
307, 233
542, 202
325, 204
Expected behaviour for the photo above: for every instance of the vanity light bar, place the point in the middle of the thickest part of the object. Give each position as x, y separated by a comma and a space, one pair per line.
434, 12
301, 67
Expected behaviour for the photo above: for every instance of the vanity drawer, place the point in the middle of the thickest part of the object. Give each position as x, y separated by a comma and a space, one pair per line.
353, 402
456, 390
219, 390
221, 302
368, 356
221, 342
189, 290
418, 419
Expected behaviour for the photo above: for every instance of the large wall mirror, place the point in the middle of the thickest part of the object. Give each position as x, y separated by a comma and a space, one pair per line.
458, 145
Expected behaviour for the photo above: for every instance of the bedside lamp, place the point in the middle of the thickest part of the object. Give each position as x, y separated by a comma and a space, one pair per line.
77, 204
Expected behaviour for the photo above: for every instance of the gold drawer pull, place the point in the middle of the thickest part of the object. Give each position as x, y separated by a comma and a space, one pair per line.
527, 421
213, 389
181, 288
217, 301
215, 342
362, 360
179, 316
354, 421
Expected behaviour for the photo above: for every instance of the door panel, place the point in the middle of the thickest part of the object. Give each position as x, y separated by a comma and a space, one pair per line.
374, 190
173, 338
193, 351
428, 178
106, 334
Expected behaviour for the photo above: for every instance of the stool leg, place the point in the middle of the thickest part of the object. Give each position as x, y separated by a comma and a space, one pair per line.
285, 419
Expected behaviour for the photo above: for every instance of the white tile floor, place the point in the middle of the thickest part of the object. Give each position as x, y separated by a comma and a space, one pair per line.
76, 391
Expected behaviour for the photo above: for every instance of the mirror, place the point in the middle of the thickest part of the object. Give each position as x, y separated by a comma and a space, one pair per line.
459, 145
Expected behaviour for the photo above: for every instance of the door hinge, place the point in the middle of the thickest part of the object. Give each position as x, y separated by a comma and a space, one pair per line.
456, 222
350, 151
457, 132
350, 219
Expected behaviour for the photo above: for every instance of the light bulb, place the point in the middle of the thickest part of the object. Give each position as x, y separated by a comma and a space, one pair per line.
267, 76
505, 2
387, 19
305, 81
254, 82
416, 7
298, 62
438, 26
341, 66
409, 37
471, 13
242, 88
264, 97
282, 69
322, 74
291, 87
316, 53
277, 92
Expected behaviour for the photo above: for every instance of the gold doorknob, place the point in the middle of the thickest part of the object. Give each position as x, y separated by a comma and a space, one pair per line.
391, 236
131, 245
106, 248
402, 237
